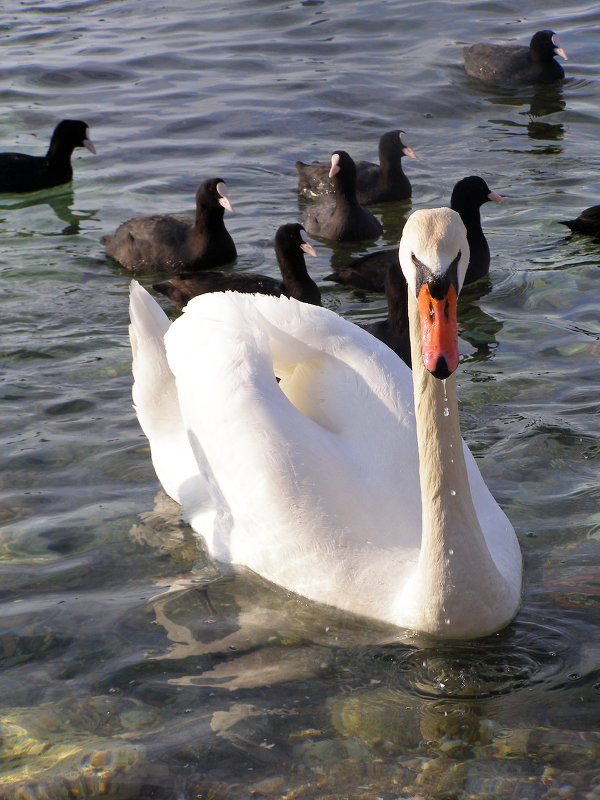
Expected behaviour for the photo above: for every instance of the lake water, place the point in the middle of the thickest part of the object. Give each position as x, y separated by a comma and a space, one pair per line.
131, 665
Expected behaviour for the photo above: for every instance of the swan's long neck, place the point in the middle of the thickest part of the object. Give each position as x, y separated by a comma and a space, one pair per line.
456, 576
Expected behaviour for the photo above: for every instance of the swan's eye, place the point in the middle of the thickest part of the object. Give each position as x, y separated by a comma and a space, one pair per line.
415, 260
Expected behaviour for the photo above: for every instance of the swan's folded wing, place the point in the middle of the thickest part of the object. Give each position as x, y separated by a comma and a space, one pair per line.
336, 374
337, 454
157, 406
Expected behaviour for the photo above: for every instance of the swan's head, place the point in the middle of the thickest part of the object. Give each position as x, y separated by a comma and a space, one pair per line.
434, 255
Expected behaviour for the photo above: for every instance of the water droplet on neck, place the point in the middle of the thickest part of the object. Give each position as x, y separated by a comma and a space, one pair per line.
445, 393
446, 411
452, 492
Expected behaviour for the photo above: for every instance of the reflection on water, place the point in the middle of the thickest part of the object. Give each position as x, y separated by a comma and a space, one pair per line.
547, 99
60, 199
543, 99
546, 131
476, 327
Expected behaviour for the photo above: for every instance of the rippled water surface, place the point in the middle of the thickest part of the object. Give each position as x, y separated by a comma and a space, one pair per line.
131, 665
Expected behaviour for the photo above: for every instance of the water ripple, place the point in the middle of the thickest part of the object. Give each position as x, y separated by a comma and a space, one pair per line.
532, 653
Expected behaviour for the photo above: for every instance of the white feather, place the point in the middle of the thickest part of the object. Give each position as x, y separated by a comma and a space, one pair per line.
313, 482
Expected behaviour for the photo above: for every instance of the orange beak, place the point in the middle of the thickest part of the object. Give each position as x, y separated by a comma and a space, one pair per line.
439, 331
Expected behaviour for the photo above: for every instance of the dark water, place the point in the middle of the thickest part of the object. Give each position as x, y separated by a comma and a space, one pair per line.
131, 665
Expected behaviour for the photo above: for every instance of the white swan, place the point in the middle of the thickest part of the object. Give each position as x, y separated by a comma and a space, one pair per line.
327, 483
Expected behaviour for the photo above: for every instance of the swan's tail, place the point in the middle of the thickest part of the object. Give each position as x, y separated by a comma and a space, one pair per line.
157, 405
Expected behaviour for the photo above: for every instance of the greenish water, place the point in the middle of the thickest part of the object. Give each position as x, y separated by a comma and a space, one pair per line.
130, 664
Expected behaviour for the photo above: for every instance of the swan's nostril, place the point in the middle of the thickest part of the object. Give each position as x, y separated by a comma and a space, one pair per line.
442, 370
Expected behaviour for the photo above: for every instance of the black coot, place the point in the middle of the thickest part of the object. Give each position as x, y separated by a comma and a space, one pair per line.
290, 245
513, 62
20, 172
587, 222
375, 183
469, 194
393, 330
177, 242
345, 220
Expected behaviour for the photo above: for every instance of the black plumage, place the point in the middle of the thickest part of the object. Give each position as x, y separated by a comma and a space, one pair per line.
290, 246
344, 220
375, 183
469, 194
20, 172
587, 222
393, 330
177, 242
514, 62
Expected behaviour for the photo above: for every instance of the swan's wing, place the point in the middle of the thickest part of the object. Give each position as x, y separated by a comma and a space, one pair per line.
329, 453
498, 531
157, 405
